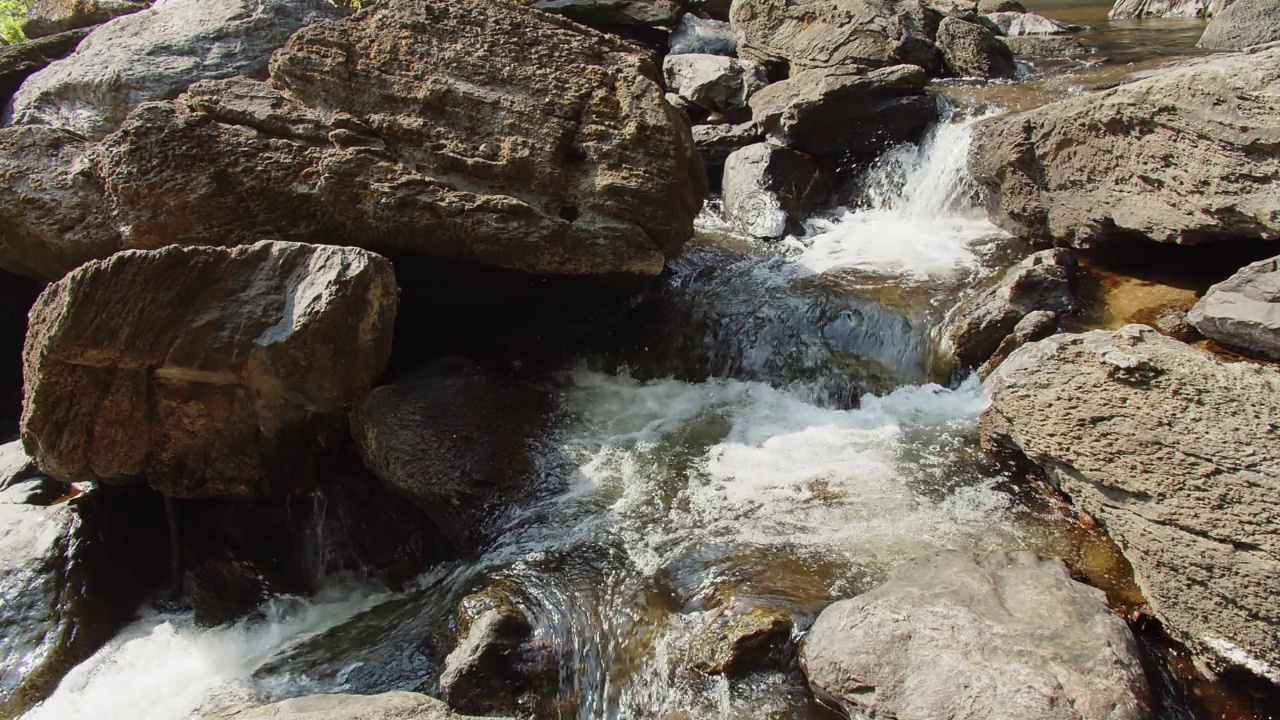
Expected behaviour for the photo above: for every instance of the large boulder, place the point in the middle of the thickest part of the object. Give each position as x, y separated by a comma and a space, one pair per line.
713, 82
615, 13
708, 37
207, 372
972, 50
156, 54
1124, 9
1182, 156
399, 130
767, 188
1243, 311
456, 441
1006, 636
21, 61
1242, 24
805, 34
846, 111
1178, 454
397, 705
49, 17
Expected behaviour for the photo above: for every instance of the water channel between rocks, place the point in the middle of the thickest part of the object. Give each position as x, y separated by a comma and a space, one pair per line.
776, 429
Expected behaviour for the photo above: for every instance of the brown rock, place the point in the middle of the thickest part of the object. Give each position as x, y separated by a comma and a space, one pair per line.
48, 17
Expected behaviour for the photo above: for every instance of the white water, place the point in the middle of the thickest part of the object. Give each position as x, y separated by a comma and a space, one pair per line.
918, 219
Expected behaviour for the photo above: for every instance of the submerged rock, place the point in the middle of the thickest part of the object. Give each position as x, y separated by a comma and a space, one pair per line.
971, 50
21, 61
206, 372
1183, 155
1178, 454
1243, 311
1243, 24
49, 17
156, 54
998, 636
767, 188
492, 665
738, 641
715, 83
387, 706
455, 440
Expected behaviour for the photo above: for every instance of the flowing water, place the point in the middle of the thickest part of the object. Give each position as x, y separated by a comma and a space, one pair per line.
774, 428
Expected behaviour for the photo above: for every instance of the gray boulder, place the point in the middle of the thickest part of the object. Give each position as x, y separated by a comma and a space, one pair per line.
1124, 9
971, 50
206, 372
1242, 24
21, 61
1017, 24
387, 706
1178, 156
155, 55
948, 635
706, 37
1044, 281
1243, 311
767, 188
456, 441
718, 142
846, 111
613, 13
716, 83
1178, 454
49, 17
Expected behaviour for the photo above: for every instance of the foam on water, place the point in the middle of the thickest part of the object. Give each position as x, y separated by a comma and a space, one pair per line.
918, 218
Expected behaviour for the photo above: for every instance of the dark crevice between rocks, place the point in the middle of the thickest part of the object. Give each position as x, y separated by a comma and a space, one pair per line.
17, 294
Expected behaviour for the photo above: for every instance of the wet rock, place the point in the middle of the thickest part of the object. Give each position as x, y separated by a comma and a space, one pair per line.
21, 482
971, 50
707, 37
223, 590
717, 142
739, 641
1165, 8
1044, 281
949, 635
766, 189
207, 372
1243, 311
50, 17
846, 111
713, 82
1177, 453
609, 13
156, 54
1179, 156
387, 706
1044, 46
1242, 24
455, 440
21, 61
1035, 325
1173, 322
489, 669
806, 34
1017, 24
70, 577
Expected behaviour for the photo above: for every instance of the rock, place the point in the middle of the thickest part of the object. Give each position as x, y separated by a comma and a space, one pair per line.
488, 670
455, 440
948, 635
207, 372
1178, 454
20, 480
608, 13
1017, 24
568, 166
21, 61
713, 82
49, 17
717, 142
971, 50
1243, 311
1044, 46
1180, 156
1165, 8
738, 641
1242, 24
706, 37
1044, 281
766, 189
806, 34
714, 9
987, 7
846, 111
1173, 322
397, 705
156, 54
223, 590
1035, 325
70, 577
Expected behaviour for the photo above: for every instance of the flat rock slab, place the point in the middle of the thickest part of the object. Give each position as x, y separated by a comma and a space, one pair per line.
1243, 311
1178, 454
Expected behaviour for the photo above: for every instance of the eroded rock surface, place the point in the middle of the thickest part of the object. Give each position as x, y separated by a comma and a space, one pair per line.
21, 61
1178, 454
607, 13
766, 189
1243, 311
387, 706
713, 82
49, 17
1165, 8
1243, 24
972, 50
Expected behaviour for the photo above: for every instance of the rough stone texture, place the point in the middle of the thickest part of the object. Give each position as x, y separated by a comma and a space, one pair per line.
455, 440
605, 13
1185, 155
986, 7
708, 37
21, 61
807, 34
387, 706
1017, 24
717, 142
1243, 311
766, 189
846, 111
1242, 24
1165, 8
70, 577
713, 82
156, 54
971, 50
738, 641
207, 372
488, 670
1044, 46
1178, 454
1035, 325
998, 636
49, 17
1044, 281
